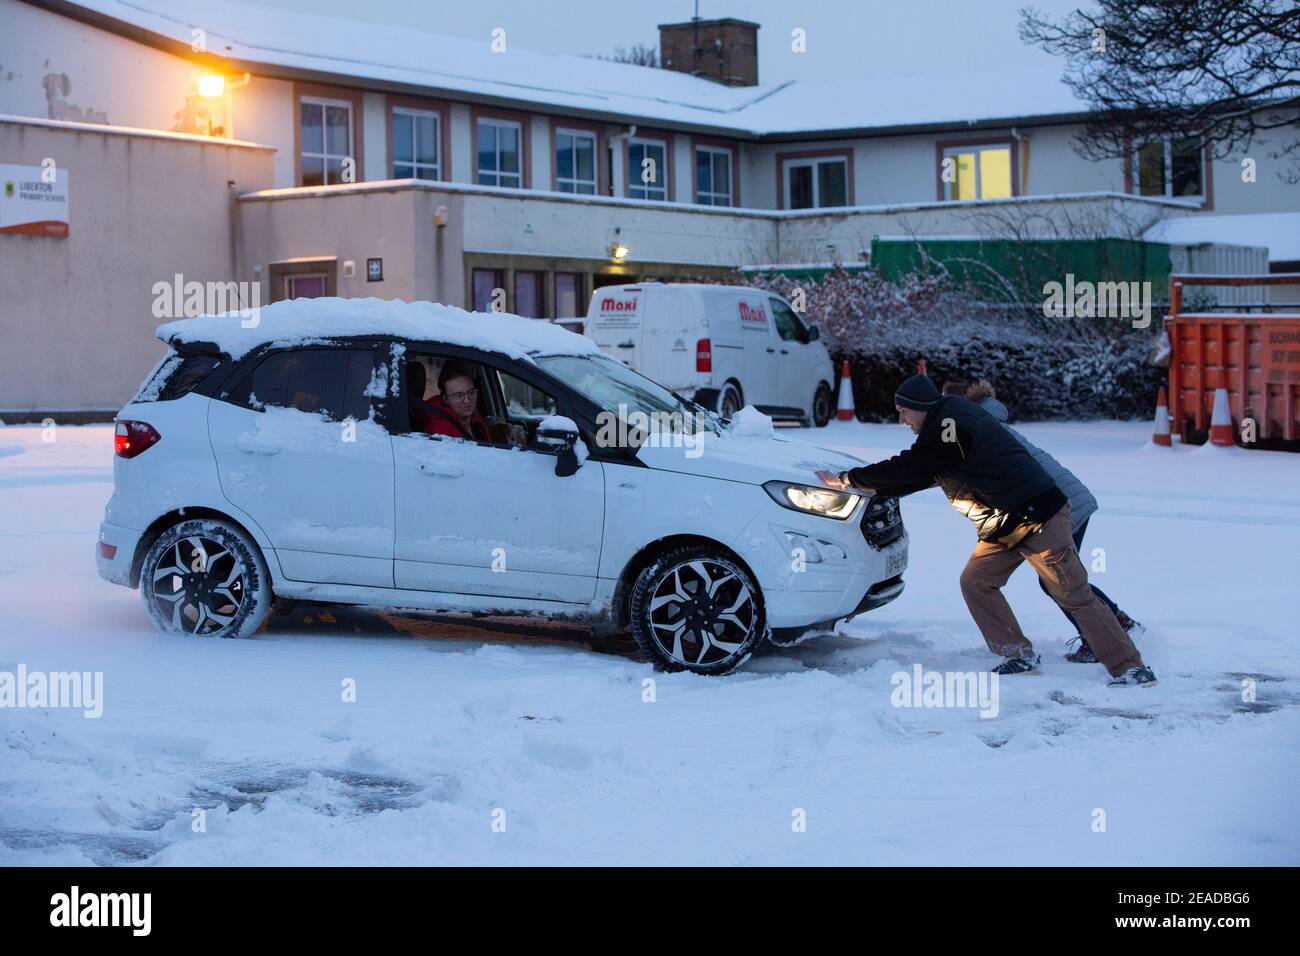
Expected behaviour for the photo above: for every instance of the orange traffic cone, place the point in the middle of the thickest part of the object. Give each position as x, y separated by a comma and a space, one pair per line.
920, 367
845, 409
1161, 436
1221, 417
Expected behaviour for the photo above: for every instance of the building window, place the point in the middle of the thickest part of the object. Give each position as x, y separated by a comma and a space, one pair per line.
486, 284
977, 172
816, 183
530, 300
417, 145
647, 169
575, 162
1170, 167
326, 136
568, 295
713, 176
500, 162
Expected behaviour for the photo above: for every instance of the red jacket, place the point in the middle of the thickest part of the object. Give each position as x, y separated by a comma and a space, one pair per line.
440, 419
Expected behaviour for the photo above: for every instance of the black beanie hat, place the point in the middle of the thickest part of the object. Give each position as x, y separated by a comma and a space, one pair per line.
917, 393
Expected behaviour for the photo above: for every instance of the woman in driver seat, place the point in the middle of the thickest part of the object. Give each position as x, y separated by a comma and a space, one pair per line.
454, 410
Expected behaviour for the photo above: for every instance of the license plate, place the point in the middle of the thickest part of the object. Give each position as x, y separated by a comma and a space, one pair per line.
896, 563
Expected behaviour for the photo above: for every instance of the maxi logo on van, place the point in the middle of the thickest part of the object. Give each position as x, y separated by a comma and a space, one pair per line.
752, 316
617, 305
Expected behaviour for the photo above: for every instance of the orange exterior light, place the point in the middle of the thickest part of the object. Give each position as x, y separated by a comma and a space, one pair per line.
212, 85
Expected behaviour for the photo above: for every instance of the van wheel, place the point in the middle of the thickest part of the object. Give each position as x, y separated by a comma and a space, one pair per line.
821, 410
730, 400
205, 578
696, 610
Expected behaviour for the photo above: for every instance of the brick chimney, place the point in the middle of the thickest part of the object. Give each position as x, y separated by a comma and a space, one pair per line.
724, 50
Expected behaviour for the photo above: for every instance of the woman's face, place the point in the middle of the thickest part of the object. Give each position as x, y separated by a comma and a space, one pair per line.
461, 395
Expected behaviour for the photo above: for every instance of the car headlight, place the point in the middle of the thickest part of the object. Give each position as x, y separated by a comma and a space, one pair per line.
812, 499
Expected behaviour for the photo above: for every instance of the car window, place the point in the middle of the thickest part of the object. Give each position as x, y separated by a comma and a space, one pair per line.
329, 382
508, 407
176, 376
788, 325
523, 400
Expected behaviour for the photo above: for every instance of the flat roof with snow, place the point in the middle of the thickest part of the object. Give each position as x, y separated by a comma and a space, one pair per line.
1279, 232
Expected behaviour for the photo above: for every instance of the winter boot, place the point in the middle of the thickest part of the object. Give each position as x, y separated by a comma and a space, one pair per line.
1083, 654
1018, 665
1131, 627
1135, 676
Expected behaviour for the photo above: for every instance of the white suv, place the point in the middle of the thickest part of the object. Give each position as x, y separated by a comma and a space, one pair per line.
312, 456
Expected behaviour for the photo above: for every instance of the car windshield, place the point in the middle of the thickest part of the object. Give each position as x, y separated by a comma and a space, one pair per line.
624, 393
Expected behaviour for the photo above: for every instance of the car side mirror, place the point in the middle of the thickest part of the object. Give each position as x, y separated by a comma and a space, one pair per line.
560, 435
813, 333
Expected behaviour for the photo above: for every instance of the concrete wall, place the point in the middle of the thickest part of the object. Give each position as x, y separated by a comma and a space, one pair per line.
586, 230
842, 237
109, 79
263, 112
76, 313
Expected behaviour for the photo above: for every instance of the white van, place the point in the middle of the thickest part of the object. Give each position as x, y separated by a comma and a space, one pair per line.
723, 346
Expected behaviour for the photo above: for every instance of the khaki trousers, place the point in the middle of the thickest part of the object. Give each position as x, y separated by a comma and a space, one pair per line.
1051, 552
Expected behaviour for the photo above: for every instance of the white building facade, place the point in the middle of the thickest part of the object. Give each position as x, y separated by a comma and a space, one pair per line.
315, 157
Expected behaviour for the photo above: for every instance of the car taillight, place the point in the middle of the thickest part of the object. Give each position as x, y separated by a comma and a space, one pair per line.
131, 438
704, 356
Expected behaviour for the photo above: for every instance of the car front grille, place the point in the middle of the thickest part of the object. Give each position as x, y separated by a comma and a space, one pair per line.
882, 522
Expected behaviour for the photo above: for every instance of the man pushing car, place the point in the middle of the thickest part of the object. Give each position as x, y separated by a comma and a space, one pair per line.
1019, 513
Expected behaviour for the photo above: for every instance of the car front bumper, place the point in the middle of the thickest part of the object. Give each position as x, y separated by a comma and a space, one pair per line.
814, 571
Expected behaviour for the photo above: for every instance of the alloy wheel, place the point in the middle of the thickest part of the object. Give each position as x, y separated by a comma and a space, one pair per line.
198, 585
701, 613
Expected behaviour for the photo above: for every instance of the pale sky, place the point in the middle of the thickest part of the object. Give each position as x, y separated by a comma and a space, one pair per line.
846, 39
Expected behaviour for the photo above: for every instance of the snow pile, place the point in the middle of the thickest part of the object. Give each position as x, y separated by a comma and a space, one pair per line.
749, 422
301, 321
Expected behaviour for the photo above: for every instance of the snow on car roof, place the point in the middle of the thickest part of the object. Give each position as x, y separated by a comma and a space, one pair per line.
313, 320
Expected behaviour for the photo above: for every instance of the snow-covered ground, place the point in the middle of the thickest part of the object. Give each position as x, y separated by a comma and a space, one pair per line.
460, 725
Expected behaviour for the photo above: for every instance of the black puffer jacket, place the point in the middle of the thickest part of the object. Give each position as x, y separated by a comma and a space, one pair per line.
986, 474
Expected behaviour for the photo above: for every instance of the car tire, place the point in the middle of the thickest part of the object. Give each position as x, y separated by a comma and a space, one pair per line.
730, 400
206, 578
823, 406
715, 625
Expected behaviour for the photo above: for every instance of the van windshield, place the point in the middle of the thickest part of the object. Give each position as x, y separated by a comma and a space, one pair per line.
624, 393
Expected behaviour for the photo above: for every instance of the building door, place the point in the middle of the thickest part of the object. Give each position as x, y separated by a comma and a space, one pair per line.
311, 285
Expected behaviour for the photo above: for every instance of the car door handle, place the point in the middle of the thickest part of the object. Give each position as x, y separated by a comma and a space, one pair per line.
251, 446
439, 471
627, 345
785, 351
771, 350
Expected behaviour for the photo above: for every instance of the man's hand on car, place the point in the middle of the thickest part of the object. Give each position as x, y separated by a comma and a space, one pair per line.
838, 481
